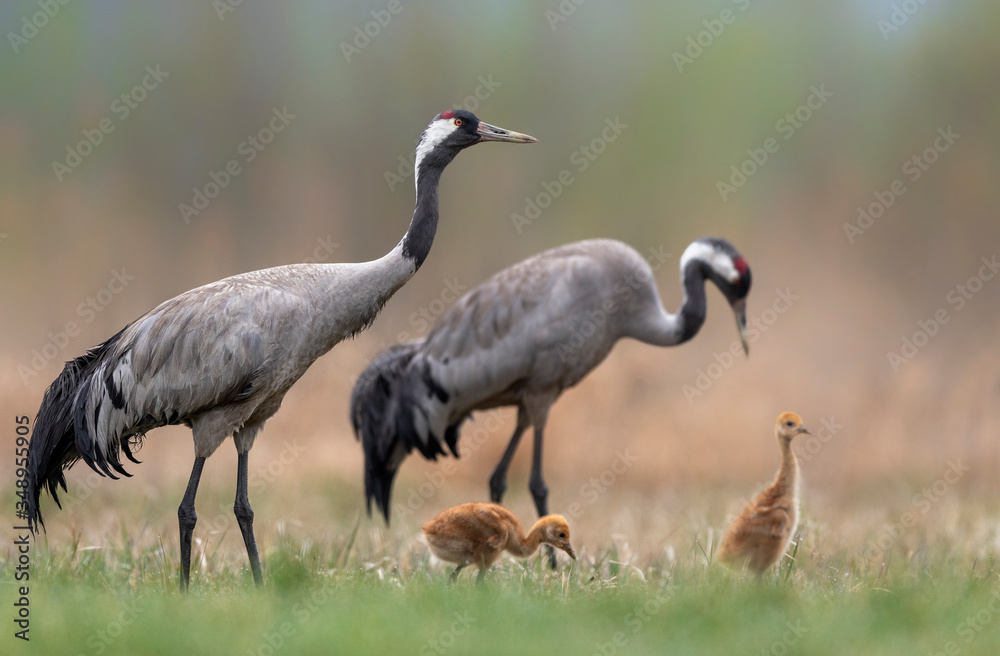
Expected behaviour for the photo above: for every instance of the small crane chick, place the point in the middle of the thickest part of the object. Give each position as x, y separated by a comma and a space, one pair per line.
759, 536
479, 532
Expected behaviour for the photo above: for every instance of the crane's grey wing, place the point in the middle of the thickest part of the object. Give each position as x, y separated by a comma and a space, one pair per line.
197, 351
508, 332
164, 368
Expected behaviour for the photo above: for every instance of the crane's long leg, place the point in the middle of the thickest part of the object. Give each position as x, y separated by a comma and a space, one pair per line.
539, 490
454, 575
498, 480
244, 517
187, 518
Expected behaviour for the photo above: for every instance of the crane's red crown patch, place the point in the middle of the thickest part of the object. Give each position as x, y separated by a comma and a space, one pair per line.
447, 114
741, 265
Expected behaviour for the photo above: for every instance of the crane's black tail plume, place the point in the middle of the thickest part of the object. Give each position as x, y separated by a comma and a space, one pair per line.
385, 407
58, 439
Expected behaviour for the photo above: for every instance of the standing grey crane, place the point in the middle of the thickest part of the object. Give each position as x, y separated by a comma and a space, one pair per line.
521, 338
220, 358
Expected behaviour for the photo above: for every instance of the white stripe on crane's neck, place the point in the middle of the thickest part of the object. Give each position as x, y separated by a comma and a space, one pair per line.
719, 261
432, 137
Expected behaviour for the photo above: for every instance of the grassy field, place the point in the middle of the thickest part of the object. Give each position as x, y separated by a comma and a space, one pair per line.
361, 588
895, 553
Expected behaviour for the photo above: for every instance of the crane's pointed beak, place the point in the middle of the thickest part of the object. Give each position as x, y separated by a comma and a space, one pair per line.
569, 550
489, 132
803, 429
740, 310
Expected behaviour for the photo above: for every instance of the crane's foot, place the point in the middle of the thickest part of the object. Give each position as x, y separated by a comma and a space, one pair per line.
498, 485
187, 519
244, 517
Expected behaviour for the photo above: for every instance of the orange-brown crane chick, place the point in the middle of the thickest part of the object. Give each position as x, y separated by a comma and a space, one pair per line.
477, 533
759, 536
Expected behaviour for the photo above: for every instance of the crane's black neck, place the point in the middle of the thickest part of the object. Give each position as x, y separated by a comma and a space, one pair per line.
423, 226
692, 312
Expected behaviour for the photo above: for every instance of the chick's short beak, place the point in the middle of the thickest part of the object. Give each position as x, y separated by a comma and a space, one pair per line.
569, 550
489, 132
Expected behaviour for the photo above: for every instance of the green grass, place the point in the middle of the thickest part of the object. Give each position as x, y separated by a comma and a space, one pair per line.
352, 598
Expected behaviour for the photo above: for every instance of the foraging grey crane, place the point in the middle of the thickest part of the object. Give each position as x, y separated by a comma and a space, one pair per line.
220, 358
521, 338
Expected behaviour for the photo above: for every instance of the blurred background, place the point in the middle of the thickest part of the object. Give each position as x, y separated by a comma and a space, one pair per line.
873, 209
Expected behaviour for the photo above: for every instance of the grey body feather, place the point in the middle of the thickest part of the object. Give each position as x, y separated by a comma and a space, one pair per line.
223, 356
513, 336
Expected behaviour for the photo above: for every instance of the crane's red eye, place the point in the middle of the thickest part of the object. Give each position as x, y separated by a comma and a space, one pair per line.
458, 121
